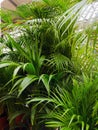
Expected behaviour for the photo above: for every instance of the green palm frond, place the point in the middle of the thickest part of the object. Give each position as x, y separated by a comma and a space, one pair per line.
72, 110
26, 12
59, 61
71, 15
43, 63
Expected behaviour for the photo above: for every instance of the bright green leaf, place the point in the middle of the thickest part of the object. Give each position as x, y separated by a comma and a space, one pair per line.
26, 82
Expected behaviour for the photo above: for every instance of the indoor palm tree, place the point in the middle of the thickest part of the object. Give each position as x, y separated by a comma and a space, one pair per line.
44, 50
76, 110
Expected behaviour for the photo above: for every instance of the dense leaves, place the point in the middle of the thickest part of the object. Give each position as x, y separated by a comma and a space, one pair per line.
49, 67
75, 110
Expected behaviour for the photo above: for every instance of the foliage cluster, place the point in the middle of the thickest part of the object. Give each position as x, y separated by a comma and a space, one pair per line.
48, 68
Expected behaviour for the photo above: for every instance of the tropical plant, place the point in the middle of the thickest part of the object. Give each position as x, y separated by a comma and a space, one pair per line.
76, 110
43, 50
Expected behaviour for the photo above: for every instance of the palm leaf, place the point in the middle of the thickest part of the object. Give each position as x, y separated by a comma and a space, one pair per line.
46, 79
26, 82
16, 71
19, 48
29, 68
60, 61
8, 63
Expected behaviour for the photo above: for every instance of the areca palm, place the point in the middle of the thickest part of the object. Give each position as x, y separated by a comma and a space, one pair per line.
76, 110
44, 53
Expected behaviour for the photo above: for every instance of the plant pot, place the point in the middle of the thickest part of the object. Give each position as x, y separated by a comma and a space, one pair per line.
19, 119
3, 123
20, 122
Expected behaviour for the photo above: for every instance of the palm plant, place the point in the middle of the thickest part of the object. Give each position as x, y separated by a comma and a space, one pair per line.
26, 72
45, 53
76, 110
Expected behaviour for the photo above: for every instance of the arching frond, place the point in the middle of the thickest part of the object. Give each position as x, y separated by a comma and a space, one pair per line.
59, 61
